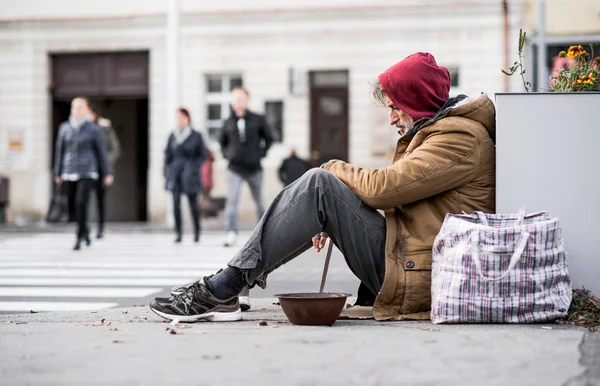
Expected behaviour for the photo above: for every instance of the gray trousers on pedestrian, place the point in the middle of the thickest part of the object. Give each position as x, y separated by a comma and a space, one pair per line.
318, 201
234, 187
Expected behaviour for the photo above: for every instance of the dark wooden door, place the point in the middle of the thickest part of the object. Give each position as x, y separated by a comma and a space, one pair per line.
328, 116
100, 75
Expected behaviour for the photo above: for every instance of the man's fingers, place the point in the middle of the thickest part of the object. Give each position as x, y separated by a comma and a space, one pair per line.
322, 242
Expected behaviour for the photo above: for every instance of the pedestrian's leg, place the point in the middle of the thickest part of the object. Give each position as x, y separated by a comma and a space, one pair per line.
177, 213
234, 186
318, 201
100, 193
255, 181
195, 209
71, 192
82, 198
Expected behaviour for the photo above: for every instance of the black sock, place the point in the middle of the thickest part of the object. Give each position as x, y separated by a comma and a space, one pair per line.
227, 283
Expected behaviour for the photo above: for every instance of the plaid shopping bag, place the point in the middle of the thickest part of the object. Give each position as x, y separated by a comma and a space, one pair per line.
499, 268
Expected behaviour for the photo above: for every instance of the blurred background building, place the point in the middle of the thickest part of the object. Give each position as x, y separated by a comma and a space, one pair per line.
308, 65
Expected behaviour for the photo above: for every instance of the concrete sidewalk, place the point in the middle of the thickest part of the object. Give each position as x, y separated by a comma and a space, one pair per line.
134, 347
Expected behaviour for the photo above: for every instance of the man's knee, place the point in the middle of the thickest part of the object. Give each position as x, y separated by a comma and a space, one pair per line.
318, 174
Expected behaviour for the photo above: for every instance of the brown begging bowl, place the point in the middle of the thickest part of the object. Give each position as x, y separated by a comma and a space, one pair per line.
312, 309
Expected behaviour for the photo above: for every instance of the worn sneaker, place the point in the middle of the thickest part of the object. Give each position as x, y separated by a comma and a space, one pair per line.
197, 303
230, 239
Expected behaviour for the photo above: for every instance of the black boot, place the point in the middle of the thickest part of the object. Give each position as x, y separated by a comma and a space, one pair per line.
86, 237
100, 233
196, 235
77, 244
178, 236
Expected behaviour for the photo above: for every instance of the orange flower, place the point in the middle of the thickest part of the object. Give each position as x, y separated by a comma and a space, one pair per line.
589, 79
575, 51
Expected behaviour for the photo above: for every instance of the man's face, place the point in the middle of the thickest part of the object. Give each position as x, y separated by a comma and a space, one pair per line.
79, 108
239, 102
399, 118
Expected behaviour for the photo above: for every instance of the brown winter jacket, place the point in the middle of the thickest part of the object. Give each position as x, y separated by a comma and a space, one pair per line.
444, 165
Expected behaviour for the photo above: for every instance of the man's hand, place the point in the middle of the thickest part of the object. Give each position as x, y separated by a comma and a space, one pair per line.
57, 179
108, 180
319, 241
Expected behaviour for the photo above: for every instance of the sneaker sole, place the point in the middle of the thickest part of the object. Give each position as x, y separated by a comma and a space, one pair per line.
244, 303
209, 316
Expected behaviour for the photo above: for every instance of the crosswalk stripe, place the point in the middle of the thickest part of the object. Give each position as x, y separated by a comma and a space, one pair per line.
81, 292
70, 281
54, 306
112, 264
76, 272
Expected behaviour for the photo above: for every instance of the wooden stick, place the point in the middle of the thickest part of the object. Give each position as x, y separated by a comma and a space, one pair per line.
326, 267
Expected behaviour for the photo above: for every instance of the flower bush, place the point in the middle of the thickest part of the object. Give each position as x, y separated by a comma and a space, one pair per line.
580, 72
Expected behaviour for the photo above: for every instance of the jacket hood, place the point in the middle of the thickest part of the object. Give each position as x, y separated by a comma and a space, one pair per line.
479, 108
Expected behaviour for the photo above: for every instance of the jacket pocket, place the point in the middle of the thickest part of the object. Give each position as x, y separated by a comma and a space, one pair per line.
417, 271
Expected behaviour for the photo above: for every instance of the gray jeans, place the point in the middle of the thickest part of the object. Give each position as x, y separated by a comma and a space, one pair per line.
317, 201
234, 186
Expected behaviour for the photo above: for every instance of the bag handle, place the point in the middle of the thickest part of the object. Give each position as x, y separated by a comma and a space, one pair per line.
513, 260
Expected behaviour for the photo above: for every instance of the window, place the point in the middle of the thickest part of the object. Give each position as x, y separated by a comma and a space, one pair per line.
218, 96
454, 77
274, 118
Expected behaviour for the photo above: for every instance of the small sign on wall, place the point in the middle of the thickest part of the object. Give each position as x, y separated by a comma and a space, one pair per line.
15, 140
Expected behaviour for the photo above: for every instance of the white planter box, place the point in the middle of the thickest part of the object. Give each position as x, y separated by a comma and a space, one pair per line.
548, 158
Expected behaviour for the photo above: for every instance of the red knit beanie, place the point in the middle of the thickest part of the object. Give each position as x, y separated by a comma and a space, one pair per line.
417, 85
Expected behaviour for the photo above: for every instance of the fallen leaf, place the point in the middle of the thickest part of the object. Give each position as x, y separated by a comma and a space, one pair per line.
113, 329
125, 312
276, 304
118, 341
263, 323
33, 312
93, 312
21, 322
105, 322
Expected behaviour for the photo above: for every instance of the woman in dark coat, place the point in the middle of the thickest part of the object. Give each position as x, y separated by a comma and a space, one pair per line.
184, 156
80, 161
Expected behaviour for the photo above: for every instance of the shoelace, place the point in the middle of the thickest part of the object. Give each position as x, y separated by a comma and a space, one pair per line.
187, 297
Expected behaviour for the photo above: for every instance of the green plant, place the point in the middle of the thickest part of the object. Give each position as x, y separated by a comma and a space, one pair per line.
519, 64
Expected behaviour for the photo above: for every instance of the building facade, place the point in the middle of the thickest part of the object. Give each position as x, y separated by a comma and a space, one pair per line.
307, 64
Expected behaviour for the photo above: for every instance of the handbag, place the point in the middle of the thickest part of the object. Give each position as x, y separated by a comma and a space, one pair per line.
58, 205
499, 268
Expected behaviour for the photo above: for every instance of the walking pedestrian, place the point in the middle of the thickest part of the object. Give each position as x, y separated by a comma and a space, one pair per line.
184, 155
292, 168
80, 161
444, 163
113, 151
245, 140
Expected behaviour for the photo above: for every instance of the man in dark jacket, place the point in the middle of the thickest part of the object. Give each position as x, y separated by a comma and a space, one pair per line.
292, 168
245, 139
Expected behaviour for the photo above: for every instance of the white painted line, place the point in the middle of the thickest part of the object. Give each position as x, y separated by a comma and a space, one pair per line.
137, 282
53, 306
66, 272
79, 292
116, 264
